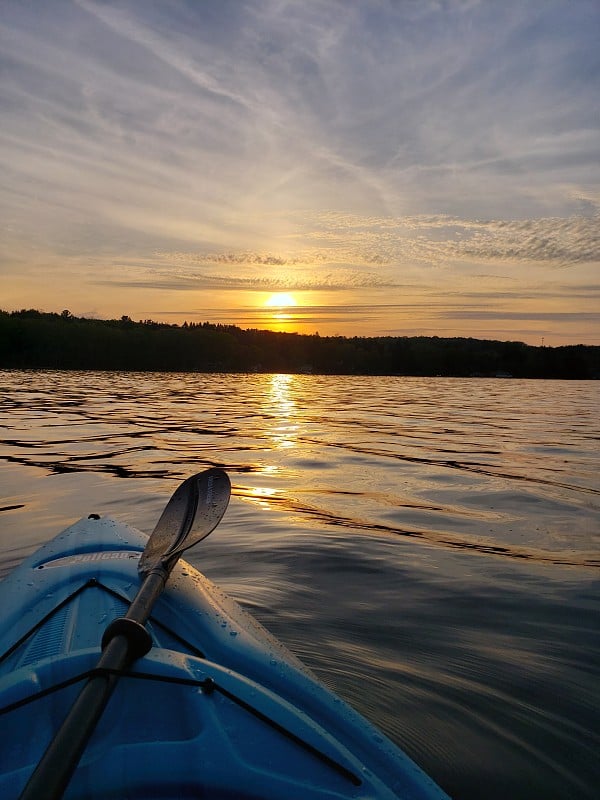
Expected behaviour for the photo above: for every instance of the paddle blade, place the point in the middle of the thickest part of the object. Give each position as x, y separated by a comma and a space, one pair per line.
194, 510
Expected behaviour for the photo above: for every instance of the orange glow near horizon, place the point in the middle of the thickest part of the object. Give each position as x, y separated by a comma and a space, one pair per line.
281, 300
277, 307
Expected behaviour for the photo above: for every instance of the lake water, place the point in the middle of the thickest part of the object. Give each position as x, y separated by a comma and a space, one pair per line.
429, 547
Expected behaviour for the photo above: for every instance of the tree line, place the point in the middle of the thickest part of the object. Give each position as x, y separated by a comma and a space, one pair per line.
31, 339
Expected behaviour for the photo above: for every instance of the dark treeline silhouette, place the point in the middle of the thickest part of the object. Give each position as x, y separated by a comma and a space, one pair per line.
32, 339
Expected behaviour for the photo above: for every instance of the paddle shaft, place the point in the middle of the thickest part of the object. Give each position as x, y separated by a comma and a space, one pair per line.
53, 773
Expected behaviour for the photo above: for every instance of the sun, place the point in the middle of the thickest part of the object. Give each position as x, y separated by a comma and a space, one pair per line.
281, 300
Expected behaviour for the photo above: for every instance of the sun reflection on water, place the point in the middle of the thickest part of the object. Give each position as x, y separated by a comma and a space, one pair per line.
283, 410
280, 431
263, 496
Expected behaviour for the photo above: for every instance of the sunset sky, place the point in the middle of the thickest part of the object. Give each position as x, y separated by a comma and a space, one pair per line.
352, 167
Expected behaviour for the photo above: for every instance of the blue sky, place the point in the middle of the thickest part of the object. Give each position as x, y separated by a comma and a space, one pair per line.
398, 168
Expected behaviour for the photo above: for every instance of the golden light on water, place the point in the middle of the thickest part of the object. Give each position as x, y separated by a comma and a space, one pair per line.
281, 425
283, 408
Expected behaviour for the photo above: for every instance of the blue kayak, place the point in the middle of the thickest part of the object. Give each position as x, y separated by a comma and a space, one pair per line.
217, 708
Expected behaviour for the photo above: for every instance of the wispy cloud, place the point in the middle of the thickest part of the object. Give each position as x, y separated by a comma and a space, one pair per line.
436, 239
388, 242
346, 281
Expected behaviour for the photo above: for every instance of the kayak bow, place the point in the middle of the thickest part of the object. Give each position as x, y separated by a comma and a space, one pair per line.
217, 707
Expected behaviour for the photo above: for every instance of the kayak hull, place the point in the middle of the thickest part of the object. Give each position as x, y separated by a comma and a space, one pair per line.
217, 708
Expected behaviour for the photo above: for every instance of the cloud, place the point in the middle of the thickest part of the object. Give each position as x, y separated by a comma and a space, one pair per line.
557, 241
436, 239
555, 316
346, 280
340, 239
255, 106
307, 317
395, 319
351, 253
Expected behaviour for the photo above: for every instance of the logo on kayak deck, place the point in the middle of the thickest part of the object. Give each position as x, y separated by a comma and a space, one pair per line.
209, 491
85, 558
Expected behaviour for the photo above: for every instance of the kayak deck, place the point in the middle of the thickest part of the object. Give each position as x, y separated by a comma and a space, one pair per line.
217, 708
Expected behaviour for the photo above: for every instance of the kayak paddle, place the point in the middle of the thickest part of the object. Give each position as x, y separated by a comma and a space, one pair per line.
194, 510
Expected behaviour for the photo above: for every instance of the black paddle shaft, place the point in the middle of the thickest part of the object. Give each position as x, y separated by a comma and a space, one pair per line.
51, 776
192, 513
